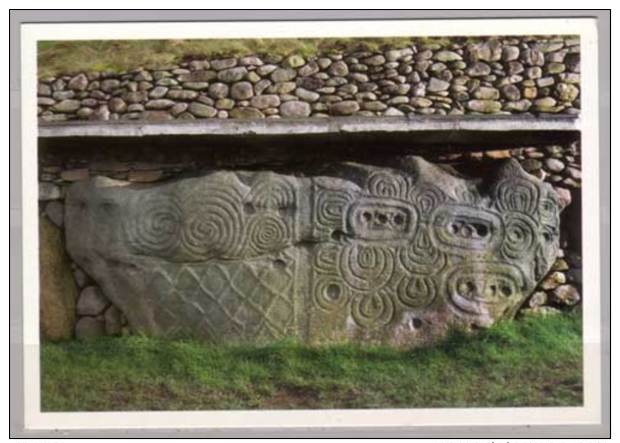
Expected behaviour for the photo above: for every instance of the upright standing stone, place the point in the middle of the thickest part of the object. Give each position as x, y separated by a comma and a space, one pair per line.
57, 287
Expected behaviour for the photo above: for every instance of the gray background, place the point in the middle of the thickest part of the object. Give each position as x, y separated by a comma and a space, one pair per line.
18, 17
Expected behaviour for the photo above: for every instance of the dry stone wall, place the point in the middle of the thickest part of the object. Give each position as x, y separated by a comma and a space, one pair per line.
508, 75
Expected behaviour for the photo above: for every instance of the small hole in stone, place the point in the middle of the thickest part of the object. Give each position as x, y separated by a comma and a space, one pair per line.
415, 323
399, 219
382, 218
337, 235
279, 264
481, 230
367, 216
547, 236
506, 291
249, 208
332, 291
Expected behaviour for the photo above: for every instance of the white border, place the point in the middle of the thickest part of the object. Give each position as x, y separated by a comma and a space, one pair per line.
590, 413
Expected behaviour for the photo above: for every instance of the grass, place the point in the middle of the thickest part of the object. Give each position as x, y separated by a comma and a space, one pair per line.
56, 57
530, 362
69, 57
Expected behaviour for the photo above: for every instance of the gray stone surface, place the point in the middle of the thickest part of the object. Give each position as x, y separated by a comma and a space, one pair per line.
89, 327
357, 253
91, 301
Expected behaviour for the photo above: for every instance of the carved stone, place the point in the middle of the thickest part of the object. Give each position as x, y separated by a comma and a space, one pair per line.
358, 253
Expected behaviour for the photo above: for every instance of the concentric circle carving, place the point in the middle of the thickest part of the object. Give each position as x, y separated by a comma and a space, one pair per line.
331, 294
366, 267
386, 184
416, 291
372, 310
520, 236
272, 192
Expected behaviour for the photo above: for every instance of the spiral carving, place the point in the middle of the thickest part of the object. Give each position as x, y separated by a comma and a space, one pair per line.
155, 225
384, 184
213, 224
366, 267
372, 310
519, 236
268, 232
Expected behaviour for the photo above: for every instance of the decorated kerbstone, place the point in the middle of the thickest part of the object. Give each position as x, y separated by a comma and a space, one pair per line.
359, 253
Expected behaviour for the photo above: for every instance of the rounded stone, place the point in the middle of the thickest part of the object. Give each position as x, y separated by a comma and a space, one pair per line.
346, 107
67, 106
374, 60
226, 63
518, 106
241, 90
89, 327
246, 113
420, 102
295, 109
484, 106
374, 105
181, 94
307, 95
436, 85
554, 165
566, 294
117, 104
91, 301
510, 53
281, 75
553, 280
338, 69
294, 61
113, 320
49, 191
511, 92
566, 92
202, 110
55, 212
265, 101
486, 93
447, 56
232, 75
158, 92
309, 69
545, 104
478, 69
218, 90
159, 104
225, 103
78, 83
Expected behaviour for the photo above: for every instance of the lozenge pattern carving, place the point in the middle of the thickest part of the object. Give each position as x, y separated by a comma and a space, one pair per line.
260, 256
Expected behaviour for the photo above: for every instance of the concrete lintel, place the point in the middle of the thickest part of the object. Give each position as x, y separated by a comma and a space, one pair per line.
307, 126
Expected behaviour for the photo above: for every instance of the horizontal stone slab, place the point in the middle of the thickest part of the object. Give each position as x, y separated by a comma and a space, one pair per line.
306, 126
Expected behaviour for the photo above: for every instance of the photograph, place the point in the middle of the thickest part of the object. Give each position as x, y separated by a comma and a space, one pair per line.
310, 223
278, 223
